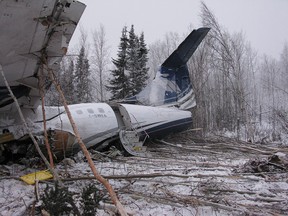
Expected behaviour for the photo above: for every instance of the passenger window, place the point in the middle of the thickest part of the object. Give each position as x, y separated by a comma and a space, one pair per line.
101, 110
79, 112
91, 111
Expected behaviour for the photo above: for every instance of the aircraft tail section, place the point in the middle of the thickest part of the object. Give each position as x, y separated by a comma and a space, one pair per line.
186, 49
172, 85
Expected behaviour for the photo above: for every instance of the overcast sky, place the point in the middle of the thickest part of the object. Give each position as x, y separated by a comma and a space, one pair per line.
263, 22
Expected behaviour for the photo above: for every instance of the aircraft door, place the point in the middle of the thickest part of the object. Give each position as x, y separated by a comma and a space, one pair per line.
125, 117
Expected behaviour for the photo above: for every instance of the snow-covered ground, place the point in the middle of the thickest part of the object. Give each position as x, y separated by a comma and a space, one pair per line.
182, 177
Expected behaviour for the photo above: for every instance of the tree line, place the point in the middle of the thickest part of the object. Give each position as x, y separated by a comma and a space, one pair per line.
84, 82
236, 89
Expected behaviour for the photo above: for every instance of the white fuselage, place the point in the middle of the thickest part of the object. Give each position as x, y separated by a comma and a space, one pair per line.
97, 122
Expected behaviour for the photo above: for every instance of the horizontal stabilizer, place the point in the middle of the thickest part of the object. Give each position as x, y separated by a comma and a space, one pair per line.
186, 49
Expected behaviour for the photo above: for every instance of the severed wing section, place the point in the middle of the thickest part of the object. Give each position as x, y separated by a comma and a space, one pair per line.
30, 31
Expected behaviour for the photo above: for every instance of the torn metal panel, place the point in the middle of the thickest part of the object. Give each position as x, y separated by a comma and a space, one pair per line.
62, 142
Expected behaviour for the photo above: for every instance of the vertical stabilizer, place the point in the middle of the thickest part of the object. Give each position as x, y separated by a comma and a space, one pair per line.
186, 49
172, 85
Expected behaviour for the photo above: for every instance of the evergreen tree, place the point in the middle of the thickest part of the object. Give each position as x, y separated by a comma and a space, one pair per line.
137, 62
133, 66
130, 75
142, 73
119, 82
82, 78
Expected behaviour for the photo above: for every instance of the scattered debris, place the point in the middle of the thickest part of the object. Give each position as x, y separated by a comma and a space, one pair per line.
276, 163
189, 177
40, 175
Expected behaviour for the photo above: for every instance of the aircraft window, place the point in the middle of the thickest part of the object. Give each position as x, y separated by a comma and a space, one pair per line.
101, 110
91, 111
79, 112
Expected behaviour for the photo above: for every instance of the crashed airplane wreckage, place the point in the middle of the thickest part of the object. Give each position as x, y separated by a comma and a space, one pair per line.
43, 31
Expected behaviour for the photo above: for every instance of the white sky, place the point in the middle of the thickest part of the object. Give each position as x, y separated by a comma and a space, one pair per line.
263, 22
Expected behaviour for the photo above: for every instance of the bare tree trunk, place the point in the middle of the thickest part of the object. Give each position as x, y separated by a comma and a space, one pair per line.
231, 69
101, 60
102, 180
41, 90
55, 174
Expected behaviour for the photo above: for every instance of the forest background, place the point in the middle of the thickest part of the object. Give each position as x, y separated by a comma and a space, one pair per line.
238, 92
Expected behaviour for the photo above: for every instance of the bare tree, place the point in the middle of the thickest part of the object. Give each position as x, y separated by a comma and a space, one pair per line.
273, 91
84, 41
160, 50
223, 74
100, 56
199, 73
270, 93
284, 67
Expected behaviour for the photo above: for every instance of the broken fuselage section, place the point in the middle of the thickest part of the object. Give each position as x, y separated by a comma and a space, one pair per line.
99, 125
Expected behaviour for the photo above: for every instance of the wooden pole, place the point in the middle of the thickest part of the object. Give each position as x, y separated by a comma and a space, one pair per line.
102, 180
41, 90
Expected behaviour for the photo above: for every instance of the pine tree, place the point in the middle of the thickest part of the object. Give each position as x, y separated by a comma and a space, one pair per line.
137, 62
132, 61
130, 75
119, 82
82, 78
142, 74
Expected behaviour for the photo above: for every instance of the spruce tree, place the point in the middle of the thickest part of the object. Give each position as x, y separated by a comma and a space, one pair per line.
118, 84
142, 73
130, 74
82, 78
137, 62
133, 66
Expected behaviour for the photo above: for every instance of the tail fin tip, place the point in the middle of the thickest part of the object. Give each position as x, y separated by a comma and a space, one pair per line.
186, 49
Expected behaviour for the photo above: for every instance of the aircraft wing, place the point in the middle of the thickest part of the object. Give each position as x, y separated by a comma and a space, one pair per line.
30, 30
